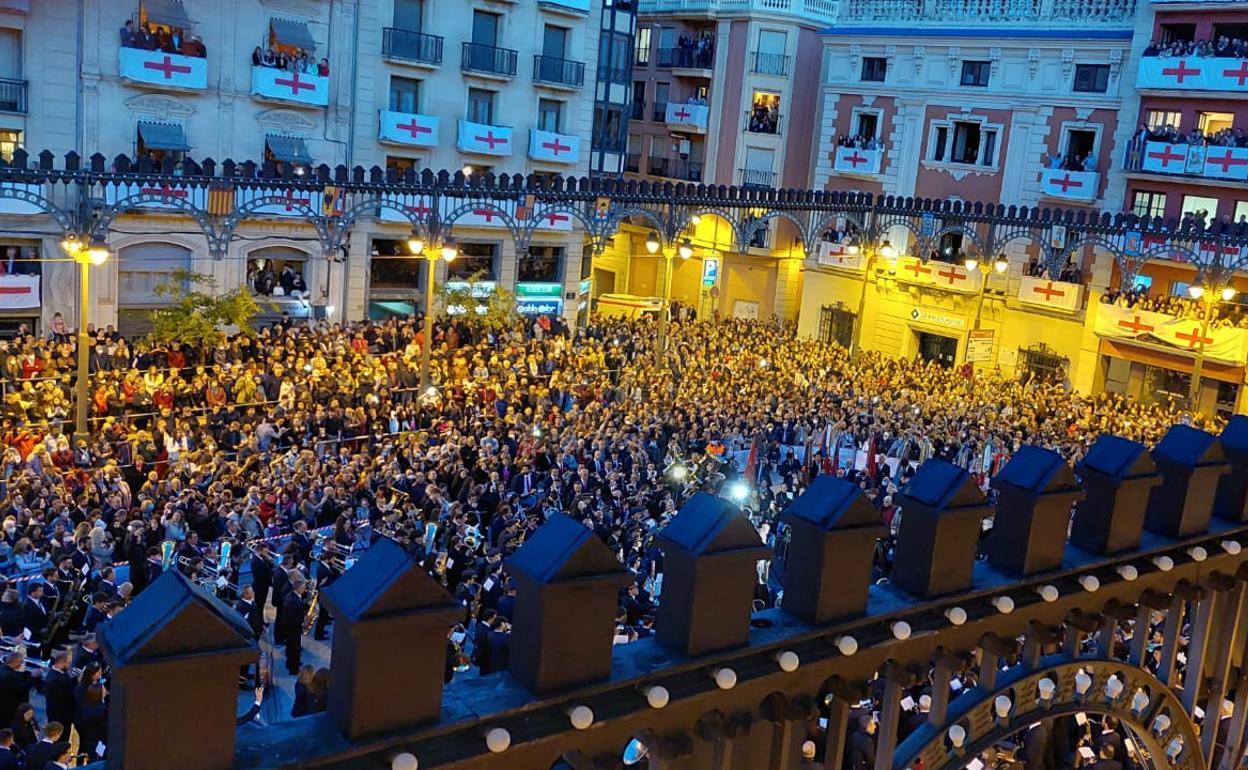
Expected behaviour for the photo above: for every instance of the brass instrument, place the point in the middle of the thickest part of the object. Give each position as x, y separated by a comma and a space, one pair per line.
314, 608
457, 638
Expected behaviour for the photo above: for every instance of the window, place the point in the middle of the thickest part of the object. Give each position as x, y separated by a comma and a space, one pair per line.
642, 47
764, 113
1147, 203
1173, 33
404, 95
475, 259
20, 258
1199, 206
393, 267
409, 15
770, 58
1213, 122
10, 140
480, 106
277, 271
1091, 78
875, 68
614, 48
867, 124
661, 93
975, 73
1080, 143
11, 54
1241, 211
402, 164
964, 141
549, 115
484, 28
554, 41
1156, 119
542, 265
477, 169
639, 91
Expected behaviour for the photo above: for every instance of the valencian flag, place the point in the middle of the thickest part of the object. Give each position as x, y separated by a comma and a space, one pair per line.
220, 199
333, 201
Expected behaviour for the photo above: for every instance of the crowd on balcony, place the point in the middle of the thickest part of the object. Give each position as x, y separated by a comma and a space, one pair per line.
1220, 47
1225, 315
1225, 137
1071, 161
1070, 273
161, 38
695, 52
859, 142
291, 61
305, 426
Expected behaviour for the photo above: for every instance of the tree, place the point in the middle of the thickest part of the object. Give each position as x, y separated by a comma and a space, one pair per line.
198, 315
476, 304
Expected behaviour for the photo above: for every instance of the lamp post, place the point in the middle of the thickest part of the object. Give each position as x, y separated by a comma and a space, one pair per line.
448, 252
999, 266
889, 253
685, 251
1198, 292
85, 254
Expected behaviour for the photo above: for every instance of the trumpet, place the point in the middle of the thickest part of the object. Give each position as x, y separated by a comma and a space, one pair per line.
44, 666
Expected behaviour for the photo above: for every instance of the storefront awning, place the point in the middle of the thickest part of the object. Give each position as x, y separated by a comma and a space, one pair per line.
290, 149
170, 13
294, 34
163, 136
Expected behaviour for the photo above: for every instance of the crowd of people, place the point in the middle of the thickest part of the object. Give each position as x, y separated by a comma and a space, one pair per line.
695, 52
307, 426
1222, 46
860, 142
1225, 315
159, 37
1072, 161
290, 61
1224, 137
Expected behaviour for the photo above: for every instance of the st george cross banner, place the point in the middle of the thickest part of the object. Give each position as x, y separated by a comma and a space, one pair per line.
553, 148
483, 139
163, 69
410, 129
1224, 344
19, 291
1196, 73
1055, 295
833, 254
940, 275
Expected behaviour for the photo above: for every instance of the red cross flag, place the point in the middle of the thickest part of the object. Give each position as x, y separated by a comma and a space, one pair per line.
290, 86
407, 128
399, 207
163, 69
553, 148
1071, 185
1165, 158
19, 291
1054, 295
484, 140
1226, 163
835, 254
852, 160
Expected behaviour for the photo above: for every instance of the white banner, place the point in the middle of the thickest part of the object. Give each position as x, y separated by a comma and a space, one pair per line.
19, 291
850, 160
1226, 163
409, 128
154, 195
553, 148
941, 275
163, 69
1165, 158
694, 115
285, 203
1193, 74
290, 86
1224, 344
835, 254
1070, 185
1056, 295
483, 139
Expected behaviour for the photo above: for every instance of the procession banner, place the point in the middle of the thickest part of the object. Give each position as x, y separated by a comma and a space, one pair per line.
553, 148
1176, 73
1055, 295
1184, 334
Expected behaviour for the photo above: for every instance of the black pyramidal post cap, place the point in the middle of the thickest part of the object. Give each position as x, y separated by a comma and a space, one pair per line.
1036, 490
390, 624
174, 654
1190, 461
828, 567
710, 550
1117, 474
567, 592
1231, 501
941, 511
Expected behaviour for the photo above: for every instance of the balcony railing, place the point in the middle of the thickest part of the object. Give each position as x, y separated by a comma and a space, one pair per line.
685, 58
748, 177
411, 46
677, 168
632, 162
1190, 160
763, 123
771, 63
489, 59
944, 11
13, 95
638, 111
562, 72
823, 11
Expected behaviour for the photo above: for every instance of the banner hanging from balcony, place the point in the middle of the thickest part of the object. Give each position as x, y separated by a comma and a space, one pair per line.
1193, 74
1069, 185
686, 115
834, 254
19, 291
284, 202
851, 160
1183, 334
163, 69
484, 139
409, 128
298, 87
1054, 295
940, 275
553, 148
1209, 161
153, 195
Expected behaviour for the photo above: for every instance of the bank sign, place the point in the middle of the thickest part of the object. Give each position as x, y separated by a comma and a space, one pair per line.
539, 298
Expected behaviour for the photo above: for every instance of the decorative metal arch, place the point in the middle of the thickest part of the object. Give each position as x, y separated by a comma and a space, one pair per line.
750, 227
887, 222
593, 226
966, 231
820, 225
691, 211
467, 208
65, 219
341, 225
1052, 259
245, 211
657, 221
975, 711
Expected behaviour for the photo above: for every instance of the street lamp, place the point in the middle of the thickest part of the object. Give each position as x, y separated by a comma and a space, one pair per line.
1001, 264
1197, 292
685, 251
448, 252
652, 243
889, 253
94, 253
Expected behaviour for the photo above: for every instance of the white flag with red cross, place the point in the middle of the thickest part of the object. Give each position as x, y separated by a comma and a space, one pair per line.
19, 291
484, 140
553, 148
409, 128
1054, 295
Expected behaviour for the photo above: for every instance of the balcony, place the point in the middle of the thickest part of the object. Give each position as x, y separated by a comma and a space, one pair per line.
677, 168
1193, 74
763, 122
856, 162
749, 177
691, 118
166, 71
1066, 12
1210, 162
632, 162
638, 111
770, 64
13, 95
561, 73
1081, 186
289, 87
489, 60
686, 62
822, 11
406, 46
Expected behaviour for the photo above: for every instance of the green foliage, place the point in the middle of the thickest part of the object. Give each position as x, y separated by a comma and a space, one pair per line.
198, 315
494, 309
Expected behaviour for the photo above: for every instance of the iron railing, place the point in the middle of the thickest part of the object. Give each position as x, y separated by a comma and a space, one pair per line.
411, 46
551, 69
490, 59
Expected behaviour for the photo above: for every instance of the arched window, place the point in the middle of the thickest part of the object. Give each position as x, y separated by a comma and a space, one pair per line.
278, 271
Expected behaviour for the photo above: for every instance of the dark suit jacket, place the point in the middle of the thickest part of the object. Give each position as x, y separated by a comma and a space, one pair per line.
15, 689
41, 754
254, 614
35, 617
58, 691
8, 760
293, 611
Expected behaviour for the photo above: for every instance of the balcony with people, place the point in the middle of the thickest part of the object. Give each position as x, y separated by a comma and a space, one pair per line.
286, 69
690, 116
1072, 176
1217, 63
692, 56
858, 156
764, 115
158, 50
1219, 153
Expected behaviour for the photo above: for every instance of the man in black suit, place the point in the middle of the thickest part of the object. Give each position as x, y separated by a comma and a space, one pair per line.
281, 586
261, 573
63, 758
860, 750
8, 754
87, 651
48, 748
1106, 759
254, 614
15, 685
58, 691
34, 614
293, 612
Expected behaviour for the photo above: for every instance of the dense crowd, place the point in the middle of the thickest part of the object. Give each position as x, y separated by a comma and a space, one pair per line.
1224, 315
860, 142
159, 37
291, 61
1221, 46
1225, 137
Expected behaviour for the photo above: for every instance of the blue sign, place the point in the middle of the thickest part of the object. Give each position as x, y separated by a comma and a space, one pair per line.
929, 224
710, 272
540, 306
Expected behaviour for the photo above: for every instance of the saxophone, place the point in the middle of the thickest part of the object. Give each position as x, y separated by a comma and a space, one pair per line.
314, 607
